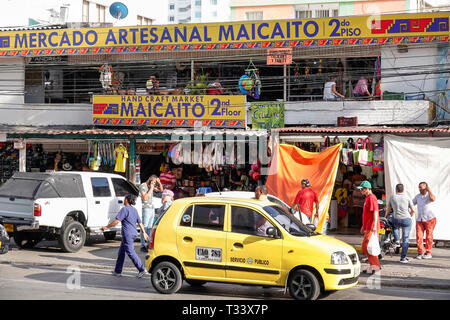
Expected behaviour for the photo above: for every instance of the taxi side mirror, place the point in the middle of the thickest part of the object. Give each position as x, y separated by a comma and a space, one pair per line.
311, 226
272, 232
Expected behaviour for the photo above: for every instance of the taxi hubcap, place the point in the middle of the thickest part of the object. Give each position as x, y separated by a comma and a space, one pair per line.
165, 278
301, 286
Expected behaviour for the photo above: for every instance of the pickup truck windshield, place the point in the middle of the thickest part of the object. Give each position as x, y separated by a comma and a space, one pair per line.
288, 221
20, 188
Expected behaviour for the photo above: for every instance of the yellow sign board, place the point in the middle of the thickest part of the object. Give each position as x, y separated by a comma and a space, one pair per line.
170, 110
356, 30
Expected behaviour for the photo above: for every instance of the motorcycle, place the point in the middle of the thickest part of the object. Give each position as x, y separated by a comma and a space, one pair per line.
4, 240
387, 243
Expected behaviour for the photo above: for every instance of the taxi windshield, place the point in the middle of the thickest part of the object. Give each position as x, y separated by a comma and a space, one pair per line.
289, 222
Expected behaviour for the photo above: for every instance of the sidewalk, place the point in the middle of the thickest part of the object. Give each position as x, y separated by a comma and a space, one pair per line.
430, 274
425, 274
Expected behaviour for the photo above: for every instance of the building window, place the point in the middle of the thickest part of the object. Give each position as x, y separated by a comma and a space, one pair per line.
171, 7
214, 14
198, 14
172, 19
336, 13
85, 11
214, 2
143, 21
303, 14
254, 15
322, 13
198, 3
101, 13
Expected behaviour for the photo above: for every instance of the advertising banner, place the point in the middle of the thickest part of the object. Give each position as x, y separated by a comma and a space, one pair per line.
267, 115
170, 111
336, 31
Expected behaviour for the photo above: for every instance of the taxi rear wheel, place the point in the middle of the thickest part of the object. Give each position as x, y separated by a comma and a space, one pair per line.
166, 278
304, 285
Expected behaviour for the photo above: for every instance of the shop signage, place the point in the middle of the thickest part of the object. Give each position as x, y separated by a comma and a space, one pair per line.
279, 56
267, 115
357, 30
170, 111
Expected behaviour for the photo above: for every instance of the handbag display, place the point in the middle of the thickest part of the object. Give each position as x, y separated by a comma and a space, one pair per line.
356, 151
378, 157
365, 156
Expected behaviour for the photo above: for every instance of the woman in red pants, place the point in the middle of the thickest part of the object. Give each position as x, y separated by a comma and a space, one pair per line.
371, 224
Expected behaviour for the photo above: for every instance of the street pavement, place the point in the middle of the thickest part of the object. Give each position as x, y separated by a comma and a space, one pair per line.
101, 255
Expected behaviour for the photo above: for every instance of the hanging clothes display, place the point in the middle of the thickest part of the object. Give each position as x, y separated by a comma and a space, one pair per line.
121, 155
106, 76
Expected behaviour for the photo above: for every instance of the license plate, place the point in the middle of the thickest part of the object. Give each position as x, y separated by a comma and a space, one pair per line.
9, 227
208, 254
382, 231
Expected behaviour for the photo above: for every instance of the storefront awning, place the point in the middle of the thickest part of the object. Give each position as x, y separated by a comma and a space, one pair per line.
80, 132
445, 130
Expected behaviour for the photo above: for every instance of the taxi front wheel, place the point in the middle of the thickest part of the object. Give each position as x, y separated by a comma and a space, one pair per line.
166, 278
303, 285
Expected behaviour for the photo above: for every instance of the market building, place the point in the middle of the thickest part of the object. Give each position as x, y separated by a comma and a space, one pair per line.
73, 96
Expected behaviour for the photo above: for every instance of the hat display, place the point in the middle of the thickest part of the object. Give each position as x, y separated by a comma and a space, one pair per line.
365, 184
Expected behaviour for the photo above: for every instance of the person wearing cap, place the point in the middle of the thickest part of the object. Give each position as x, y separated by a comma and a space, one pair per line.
371, 224
305, 200
166, 200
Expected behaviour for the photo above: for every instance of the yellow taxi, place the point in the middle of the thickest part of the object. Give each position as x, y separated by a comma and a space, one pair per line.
246, 241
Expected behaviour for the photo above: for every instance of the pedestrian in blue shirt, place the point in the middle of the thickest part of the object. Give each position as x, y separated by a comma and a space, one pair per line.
129, 217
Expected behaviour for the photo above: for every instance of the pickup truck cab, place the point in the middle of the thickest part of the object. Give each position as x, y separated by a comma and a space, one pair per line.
67, 206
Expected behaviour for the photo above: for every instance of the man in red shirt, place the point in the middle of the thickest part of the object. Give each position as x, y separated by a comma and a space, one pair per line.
371, 224
305, 200
167, 178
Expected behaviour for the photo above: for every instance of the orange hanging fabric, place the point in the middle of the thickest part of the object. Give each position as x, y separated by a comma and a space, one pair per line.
290, 165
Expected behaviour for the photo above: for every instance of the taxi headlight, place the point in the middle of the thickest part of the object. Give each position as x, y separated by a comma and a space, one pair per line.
339, 258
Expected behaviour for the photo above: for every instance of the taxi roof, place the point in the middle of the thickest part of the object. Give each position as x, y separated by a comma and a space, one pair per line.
219, 199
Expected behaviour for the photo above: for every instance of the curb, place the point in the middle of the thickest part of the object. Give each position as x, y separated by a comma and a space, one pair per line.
358, 249
406, 284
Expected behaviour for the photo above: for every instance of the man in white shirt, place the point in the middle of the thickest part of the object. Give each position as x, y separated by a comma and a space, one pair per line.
426, 220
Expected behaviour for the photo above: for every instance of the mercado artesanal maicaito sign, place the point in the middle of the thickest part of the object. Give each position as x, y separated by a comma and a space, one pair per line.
170, 111
337, 31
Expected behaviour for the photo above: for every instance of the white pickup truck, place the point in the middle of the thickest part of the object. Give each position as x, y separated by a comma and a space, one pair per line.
67, 206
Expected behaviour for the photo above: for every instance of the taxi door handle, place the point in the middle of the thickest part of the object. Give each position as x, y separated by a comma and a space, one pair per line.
187, 239
238, 245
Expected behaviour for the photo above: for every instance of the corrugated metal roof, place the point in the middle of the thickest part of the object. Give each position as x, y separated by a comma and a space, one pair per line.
78, 131
37, 27
348, 130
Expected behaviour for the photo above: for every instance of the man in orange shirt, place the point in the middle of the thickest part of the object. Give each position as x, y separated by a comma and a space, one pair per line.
305, 200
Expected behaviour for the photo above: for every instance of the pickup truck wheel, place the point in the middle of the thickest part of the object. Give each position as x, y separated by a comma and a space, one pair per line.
303, 285
27, 240
110, 235
166, 278
72, 236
